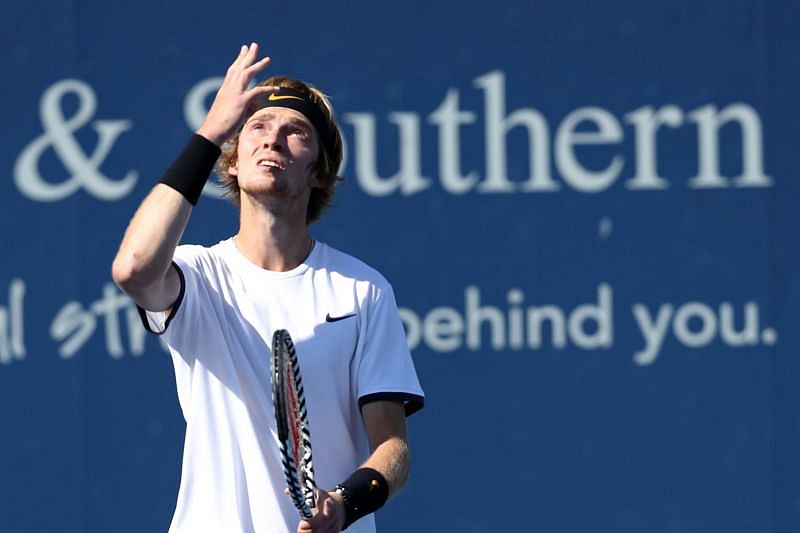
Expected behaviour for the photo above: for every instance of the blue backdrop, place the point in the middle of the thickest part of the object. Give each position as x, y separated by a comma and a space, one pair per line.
586, 210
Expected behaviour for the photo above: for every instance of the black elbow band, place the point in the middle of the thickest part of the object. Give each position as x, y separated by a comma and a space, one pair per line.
190, 170
364, 492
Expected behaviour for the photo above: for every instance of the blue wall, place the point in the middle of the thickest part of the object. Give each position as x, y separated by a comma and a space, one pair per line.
587, 210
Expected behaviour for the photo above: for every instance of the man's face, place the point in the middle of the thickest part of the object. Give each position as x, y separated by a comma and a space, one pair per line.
277, 148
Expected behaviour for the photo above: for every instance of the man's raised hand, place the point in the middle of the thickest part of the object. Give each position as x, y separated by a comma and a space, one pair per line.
234, 101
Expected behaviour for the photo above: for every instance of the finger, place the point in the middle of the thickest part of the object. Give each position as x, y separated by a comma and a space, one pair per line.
259, 91
323, 521
327, 507
236, 62
247, 65
259, 65
242, 53
257, 98
318, 522
307, 526
330, 514
252, 53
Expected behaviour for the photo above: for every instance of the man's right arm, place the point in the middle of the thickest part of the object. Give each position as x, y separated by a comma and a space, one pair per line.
142, 266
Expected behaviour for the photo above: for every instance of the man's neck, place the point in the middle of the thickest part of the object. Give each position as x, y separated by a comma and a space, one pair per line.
277, 244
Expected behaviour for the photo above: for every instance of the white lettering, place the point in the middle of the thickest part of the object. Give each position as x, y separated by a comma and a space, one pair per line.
608, 131
653, 331
444, 328
697, 312
582, 127
709, 122
194, 105
408, 179
516, 325
497, 127
75, 325
572, 133
600, 314
73, 322
412, 325
558, 329
695, 324
477, 316
108, 307
449, 118
12, 325
647, 123
58, 135
749, 332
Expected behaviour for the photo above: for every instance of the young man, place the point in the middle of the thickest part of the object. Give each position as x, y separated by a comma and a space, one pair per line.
217, 308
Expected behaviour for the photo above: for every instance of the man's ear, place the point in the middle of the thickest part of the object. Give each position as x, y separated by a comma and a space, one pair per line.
233, 170
313, 175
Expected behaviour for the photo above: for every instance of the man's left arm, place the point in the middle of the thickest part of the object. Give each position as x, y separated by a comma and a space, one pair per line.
386, 425
381, 476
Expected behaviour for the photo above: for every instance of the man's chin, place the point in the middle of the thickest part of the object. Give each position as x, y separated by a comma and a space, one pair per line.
264, 187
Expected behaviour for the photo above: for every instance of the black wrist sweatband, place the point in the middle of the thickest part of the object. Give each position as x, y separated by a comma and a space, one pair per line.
190, 170
364, 492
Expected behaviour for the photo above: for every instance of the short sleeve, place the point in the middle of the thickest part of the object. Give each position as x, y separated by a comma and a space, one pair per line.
385, 369
188, 264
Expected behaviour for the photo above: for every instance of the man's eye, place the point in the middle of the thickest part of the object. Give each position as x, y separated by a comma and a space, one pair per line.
299, 133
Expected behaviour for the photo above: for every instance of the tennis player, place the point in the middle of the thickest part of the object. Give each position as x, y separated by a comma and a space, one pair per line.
218, 306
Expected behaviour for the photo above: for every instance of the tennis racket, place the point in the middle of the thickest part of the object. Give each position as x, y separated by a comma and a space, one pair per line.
294, 438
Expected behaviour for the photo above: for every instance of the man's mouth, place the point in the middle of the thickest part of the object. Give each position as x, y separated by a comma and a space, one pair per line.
271, 164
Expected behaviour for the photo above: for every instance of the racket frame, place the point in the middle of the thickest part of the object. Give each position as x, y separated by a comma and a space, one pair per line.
294, 438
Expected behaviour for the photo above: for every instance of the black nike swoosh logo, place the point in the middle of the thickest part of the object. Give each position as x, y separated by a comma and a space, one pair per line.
329, 318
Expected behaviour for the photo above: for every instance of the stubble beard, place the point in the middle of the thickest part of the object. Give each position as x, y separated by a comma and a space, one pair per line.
275, 195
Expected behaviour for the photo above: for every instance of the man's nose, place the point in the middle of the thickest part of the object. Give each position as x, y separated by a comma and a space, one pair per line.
272, 139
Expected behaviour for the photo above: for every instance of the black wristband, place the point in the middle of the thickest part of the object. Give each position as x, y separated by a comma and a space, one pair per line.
190, 170
364, 492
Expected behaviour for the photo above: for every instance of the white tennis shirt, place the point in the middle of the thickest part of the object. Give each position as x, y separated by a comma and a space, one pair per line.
351, 349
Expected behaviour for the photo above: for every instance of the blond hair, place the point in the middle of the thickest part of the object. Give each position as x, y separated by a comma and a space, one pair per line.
326, 166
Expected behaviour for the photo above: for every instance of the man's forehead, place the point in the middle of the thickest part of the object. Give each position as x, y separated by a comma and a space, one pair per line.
269, 113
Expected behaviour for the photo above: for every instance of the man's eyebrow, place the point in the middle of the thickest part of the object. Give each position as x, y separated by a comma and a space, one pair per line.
265, 116
301, 122
295, 121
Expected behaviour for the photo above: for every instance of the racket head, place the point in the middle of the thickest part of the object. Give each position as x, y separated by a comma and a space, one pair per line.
291, 420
